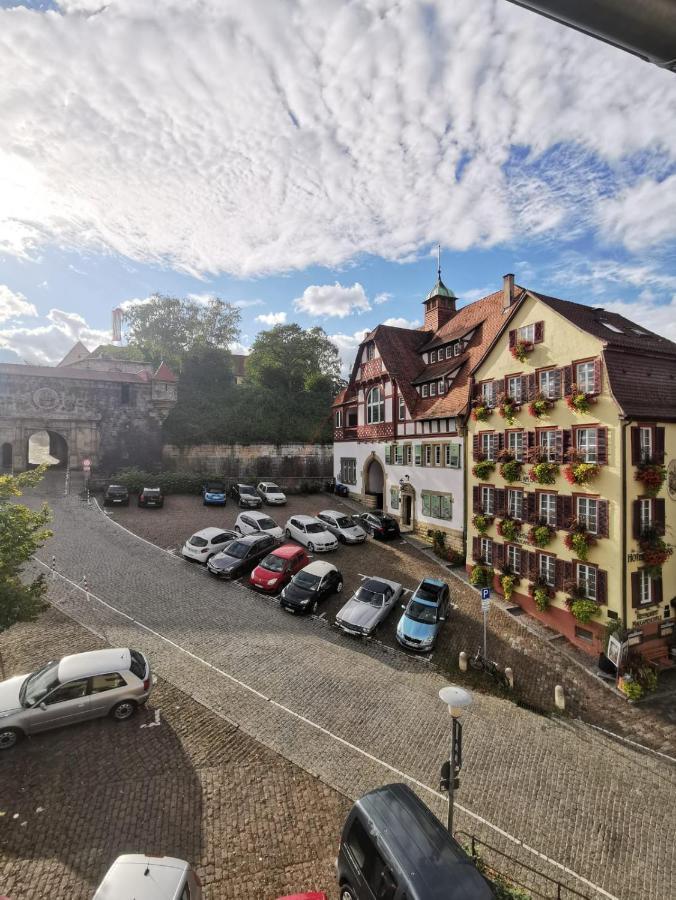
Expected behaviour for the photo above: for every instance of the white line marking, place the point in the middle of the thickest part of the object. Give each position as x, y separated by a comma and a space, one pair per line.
340, 740
138, 537
153, 724
629, 741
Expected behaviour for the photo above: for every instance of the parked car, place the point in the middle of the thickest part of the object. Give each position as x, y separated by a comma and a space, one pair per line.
149, 878
392, 845
271, 494
310, 532
278, 567
426, 610
314, 583
207, 542
369, 606
257, 523
73, 689
379, 524
308, 895
245, 496
213, 493
151, 496
241, 556
347, 531
116, 494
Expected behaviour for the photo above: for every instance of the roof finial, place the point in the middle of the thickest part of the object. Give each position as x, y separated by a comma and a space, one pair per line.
439, 261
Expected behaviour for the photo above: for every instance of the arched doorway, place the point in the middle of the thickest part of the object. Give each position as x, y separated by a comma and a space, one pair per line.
48, 447
374, 480
6, 456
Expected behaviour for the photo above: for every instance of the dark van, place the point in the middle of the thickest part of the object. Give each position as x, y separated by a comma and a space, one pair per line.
394, 848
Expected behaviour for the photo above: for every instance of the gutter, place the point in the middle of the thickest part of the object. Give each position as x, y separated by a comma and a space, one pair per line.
623, 451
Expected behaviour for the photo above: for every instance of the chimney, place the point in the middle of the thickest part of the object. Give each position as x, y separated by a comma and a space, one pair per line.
507, 291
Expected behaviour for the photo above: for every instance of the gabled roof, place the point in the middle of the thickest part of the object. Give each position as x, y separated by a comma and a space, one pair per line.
75, 354
164, 373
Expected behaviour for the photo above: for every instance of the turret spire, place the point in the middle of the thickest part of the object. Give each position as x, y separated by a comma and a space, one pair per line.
439, 262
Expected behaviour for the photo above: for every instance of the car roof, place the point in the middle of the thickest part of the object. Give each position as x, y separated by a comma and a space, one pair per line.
431, 861
252, 538
332, 512
151, 489
319, 567
270, 484
214, 483
255, 514
286, 551
375, 584
244, 484
305, 519
120, 487
210, 532
436, 582
94, 662
127, 878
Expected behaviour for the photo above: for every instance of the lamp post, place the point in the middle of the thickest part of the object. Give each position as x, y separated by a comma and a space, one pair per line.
456, 699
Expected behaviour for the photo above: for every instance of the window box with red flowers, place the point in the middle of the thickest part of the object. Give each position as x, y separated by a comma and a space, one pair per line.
540, 406
582, 608
508, 408
541, 534
579, 539
655, 553
482, 522
481, 412
578, 400
509, 528
510, 468
580, 472
652, 476
483, 469
521, 349
542, 594
544, 472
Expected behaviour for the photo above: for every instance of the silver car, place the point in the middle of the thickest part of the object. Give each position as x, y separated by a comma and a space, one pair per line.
345, 529
79, 687
371, 605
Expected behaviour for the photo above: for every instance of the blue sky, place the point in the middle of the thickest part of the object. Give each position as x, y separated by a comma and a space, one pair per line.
303, 159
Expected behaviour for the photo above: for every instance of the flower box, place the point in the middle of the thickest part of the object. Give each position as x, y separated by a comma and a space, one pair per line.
579, 401
509, 528
579, 540
483, 469
540, 406
581, 472
481, 412
544, 472
482, 522
652, 476
541, 535
521, 349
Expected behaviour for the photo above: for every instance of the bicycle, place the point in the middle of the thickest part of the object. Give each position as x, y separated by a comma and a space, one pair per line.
481, 664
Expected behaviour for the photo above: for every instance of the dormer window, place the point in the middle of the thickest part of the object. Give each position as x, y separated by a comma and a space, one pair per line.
441, 387
433, 356
424, 390
433, 390
370, 350
457, 348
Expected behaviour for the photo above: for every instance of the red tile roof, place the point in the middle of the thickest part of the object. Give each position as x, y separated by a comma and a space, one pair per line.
164, 373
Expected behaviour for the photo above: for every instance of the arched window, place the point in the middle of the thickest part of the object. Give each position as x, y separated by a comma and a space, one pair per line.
375, 406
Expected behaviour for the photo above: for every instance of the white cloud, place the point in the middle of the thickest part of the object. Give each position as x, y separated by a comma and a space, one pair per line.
248, 304
347, 347
383, 297
13, 305
135, 301
48, 344
240, 348
332, 300
643, 215
388, 127
277, 318
400, 322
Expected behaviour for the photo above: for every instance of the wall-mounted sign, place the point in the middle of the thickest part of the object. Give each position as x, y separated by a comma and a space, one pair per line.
634, 557
616, 650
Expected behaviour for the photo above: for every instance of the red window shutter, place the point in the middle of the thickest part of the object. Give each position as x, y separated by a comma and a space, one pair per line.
531, 507
500, 501
659, 446
567, 442
524, 388
603, 523
659, 515
636, 520
476, 501
532, 564
598, 384
475, 548
539, 332
568, 574
559, 575
635, 446
530, 445
558, 446
602, 442
658, 590
512, 338
476, 448
635, 589
567, 379
564, 511
532, 387
557, 383
498, 555
601, 587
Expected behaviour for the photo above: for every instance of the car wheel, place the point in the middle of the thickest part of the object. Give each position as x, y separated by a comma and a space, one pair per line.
311, 547
123, 710
346, 893
9, 737
339, 587
287, 534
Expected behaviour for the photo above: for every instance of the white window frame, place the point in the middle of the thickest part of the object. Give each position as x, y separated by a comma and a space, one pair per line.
486, 545
440, 386
447, 455
584, 377
424, 390
547, 507
514, 558
488, 500
370, 351
514, 381
402, 409
437, 454
433, 389
588, 448
645, 588
433, 356
488, 443
339, 418
487, 393
515, 444
449, 351
586, 578
526, 333
375, 405
457, 349
588, 512
515, 503
547, 445
348, 470
399, 454
646, 515
428, 454
547, 569
645, 443
547, 379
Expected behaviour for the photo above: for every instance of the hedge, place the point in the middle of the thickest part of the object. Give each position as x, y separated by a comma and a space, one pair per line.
191, 482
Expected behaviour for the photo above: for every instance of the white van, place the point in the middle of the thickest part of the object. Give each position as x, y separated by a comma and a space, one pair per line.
135, 876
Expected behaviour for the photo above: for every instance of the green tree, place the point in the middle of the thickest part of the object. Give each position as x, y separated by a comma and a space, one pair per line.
169, 328
288, 358
22, 533
204, 395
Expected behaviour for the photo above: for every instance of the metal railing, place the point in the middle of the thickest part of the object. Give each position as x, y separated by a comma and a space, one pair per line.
555, 889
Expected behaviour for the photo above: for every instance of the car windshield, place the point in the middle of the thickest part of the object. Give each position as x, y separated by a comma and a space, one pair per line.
197, 541
266, 524
272, 489
238, 549
428, 591
39, 684
373, 598
314, 528
307, 581
273, 563
344, 522
245, 489
421, 612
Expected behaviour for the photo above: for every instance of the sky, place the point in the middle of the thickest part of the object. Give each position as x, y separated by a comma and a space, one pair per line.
303, 158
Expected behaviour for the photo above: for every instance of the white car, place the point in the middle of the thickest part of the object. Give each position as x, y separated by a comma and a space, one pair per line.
311, 533
149, 877
257, 523
270, 493
205, 543
345, 529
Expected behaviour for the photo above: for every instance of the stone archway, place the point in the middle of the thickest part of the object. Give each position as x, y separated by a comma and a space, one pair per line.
6, 455
373, 480
47, 446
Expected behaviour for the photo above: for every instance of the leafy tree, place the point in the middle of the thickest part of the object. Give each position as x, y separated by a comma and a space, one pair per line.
170, 328
204, 390
22, 532
288, 358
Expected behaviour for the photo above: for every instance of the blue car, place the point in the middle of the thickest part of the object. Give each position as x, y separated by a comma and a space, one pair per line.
426, 610
213, 493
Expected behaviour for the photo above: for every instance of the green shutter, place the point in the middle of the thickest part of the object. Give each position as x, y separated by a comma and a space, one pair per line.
446, 508
426, 504
417, 454
394, 498
388, 454
436, 506
455, 456
399, 457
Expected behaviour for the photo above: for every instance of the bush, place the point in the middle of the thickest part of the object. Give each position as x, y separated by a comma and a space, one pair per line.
584, 609
482, 469
541, 535
171, 482
481, 576
544, 472
482, 522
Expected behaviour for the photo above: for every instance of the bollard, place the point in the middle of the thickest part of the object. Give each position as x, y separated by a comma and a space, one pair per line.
85, 586
462, 661
53, 566
509, 675
559, 699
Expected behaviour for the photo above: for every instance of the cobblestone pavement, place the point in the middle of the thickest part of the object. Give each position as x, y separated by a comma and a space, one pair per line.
196, 787
360, 715
537, 663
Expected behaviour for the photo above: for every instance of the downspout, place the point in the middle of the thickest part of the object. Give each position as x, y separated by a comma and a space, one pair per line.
623, 450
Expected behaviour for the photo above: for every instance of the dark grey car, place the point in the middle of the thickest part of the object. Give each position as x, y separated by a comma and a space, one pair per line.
241, 556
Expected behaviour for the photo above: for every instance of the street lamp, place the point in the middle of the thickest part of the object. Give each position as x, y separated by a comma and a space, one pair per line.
456, 699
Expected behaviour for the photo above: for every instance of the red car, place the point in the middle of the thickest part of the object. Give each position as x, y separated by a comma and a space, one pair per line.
279, 567
313, 895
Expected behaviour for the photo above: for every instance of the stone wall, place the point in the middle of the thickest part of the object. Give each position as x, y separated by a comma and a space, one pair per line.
283, 463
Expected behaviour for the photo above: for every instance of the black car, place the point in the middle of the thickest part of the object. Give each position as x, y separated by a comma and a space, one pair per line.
151, 496
241, 556
379, 524
246, 496
307, 588
116, 494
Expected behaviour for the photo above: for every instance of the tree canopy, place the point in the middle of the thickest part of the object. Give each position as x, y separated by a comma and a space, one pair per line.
288, 359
